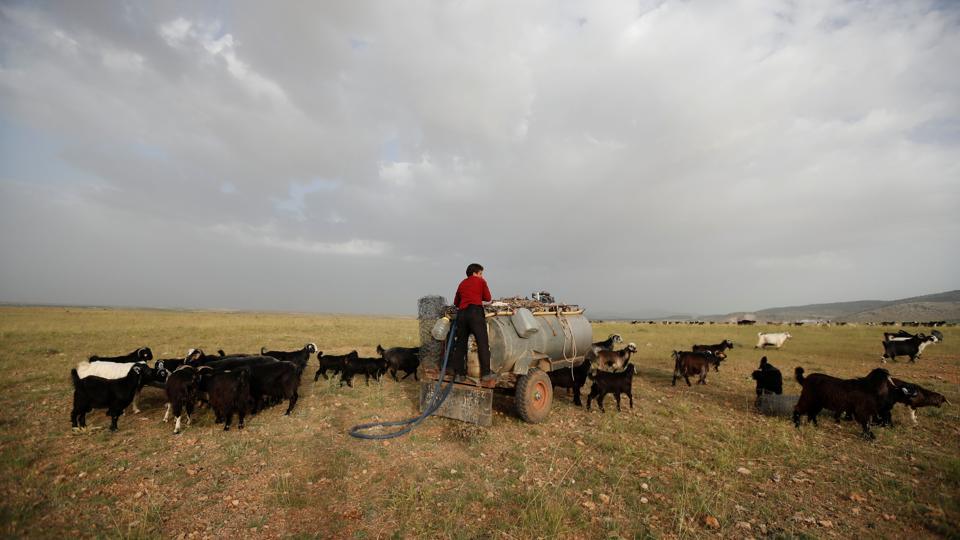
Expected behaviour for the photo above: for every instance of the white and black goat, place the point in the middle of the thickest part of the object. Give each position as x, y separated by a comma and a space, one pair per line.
113, 394
117, 370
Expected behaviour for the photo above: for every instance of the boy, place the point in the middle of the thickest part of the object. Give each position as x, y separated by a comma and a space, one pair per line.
471, 319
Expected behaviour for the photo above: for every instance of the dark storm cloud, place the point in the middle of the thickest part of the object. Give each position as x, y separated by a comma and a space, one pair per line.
682, 156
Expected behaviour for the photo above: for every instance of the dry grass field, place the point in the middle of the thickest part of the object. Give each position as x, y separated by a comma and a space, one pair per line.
660, 470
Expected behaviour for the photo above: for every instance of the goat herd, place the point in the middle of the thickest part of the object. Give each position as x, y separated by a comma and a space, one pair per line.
867, 399
229, 383
241, 384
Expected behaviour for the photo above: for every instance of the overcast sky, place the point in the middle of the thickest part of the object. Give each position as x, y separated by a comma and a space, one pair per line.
639, 157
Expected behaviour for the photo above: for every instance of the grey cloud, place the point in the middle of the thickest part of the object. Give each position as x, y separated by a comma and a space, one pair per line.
686, 156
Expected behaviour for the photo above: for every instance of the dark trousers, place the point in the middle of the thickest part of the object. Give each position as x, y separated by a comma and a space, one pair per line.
471, 320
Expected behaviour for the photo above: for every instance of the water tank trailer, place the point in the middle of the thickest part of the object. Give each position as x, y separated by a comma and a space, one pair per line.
528, 339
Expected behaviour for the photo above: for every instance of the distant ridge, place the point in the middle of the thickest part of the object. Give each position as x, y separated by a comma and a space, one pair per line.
943, 306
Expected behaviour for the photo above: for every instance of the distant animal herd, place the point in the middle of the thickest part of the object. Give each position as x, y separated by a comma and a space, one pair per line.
242, 384
816, 322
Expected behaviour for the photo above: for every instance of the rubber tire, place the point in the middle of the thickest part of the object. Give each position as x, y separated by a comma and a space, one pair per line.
535, 383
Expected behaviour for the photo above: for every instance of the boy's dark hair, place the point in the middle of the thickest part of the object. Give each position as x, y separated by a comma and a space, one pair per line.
473, 269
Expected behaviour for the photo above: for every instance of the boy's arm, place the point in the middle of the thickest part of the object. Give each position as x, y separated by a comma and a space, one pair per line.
486, 292
456, 298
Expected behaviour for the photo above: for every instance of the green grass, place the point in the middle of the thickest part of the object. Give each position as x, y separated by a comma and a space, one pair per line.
303, 477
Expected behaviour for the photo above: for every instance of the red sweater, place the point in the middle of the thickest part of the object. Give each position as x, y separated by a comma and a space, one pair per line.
472, 291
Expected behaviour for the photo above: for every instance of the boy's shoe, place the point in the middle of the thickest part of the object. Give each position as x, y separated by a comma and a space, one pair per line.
489, 377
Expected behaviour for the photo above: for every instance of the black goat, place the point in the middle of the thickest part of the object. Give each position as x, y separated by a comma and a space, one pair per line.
574, 378
169, 364
406, 359
299, 357
899, 335
370, 367
234, 355
717, 349
197, 358
143, 354
333, 363
616, 383
769, 379
236, 362
229, 394
182, 389
911, 347
279, 380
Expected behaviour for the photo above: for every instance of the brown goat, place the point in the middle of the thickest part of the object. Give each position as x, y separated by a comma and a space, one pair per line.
614, 360
920, 397
863, 397
687, 364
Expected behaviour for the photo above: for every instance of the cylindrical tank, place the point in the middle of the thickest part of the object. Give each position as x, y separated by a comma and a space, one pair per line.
558, 337
566, 335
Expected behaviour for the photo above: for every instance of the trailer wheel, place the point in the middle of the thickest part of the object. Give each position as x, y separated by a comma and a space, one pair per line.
534, 396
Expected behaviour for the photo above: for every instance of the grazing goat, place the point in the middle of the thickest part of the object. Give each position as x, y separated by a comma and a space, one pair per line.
769, 379
614, 360
912, 347
892, 396
616, 383
183, 387
573, 378
143, 354
94, 392
299, 357
229, 394
333, 363
863, 397
406, 359
772, 340
689, 363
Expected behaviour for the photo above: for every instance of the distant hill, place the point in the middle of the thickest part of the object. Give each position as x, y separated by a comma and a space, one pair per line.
943, 306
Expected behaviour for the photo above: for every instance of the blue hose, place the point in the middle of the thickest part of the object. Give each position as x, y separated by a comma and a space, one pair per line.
438, 398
